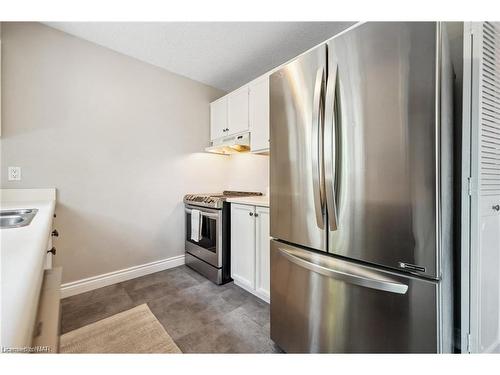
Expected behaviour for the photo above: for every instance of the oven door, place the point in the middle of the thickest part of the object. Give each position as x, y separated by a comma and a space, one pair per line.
209, 247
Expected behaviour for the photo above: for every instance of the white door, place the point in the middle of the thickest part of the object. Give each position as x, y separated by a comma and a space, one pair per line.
262, 282
488, 279
481, 246
259, 115
243, 245
237, 111
218, 118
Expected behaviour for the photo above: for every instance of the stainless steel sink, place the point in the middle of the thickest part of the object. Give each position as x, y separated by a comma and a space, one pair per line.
16, 218
16, 212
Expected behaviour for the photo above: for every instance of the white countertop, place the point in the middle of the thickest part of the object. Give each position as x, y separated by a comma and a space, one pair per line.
23, 254
262, 200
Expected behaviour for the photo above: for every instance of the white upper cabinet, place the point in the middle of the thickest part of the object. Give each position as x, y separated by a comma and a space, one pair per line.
259, 115
245, 109
237, 111
218, 118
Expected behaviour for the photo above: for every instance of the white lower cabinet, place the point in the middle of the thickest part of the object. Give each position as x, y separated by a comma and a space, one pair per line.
243, 245
262, 261
51, 250
250, 248
49, 263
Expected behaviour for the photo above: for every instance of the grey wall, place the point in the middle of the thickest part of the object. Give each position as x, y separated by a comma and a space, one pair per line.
121, 140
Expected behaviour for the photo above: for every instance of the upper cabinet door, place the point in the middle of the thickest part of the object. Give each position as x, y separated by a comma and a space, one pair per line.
218, 118
259, 115
237, 111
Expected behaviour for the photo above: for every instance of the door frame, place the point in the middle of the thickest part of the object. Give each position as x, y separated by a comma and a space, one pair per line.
469, 191
471, 194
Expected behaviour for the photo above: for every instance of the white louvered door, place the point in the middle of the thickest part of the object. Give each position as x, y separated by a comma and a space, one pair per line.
490, 111
485, 191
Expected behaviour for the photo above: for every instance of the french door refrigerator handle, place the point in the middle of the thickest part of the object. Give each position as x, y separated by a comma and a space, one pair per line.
317, 149
330, 149
386, 285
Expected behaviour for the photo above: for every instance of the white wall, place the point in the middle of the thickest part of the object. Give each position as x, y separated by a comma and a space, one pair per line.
248, 172
121, 140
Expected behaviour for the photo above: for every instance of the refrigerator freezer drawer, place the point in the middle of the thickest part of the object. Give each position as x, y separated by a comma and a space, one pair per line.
322, 304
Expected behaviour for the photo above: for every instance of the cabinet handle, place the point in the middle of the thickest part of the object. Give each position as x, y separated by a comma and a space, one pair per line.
250, 213
55, 233
256, 214
496, 207
53, 251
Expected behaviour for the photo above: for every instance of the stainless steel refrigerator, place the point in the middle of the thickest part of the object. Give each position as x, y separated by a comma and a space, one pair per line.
361, 193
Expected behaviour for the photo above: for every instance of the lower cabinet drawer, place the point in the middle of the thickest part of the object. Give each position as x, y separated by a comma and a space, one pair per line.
48, 321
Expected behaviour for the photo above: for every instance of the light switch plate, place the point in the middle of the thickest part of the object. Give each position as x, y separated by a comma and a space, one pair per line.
14, 173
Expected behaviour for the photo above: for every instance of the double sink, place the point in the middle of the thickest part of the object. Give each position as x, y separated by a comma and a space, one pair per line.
16, 218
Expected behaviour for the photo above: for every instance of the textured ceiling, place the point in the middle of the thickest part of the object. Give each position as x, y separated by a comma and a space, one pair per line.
225, 55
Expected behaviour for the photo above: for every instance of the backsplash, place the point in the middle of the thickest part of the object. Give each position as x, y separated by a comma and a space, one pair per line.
248, 172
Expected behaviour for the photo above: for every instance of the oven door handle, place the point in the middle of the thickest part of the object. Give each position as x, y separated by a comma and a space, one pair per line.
204, 213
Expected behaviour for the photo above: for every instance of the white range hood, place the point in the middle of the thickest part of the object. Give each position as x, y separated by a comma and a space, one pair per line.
230, 145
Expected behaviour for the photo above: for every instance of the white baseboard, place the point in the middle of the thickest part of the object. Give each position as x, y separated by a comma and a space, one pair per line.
95, 282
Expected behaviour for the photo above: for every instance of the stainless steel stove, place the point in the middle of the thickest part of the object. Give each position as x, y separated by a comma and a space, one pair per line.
215, 200
210, 255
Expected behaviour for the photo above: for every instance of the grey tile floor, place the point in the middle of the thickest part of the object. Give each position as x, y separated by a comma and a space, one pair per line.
200, 316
